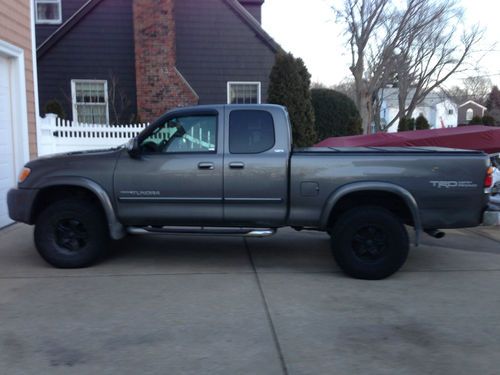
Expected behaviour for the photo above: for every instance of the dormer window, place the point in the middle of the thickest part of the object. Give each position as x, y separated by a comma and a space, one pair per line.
48, 12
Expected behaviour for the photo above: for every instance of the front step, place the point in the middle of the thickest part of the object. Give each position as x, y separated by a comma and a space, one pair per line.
204, 231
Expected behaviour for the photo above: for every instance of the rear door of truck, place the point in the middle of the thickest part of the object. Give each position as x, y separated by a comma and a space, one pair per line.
255, 166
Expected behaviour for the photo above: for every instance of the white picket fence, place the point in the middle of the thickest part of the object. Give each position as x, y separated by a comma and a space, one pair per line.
57, 135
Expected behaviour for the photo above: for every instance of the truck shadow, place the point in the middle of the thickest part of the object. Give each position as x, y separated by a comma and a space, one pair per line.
285, 252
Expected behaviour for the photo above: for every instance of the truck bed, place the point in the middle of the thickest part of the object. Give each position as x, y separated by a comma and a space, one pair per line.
446, 183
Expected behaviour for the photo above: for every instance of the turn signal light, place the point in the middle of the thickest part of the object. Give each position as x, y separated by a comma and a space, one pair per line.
25, 172
488, 180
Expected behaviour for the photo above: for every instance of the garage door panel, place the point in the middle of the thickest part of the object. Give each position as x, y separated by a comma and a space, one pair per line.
7, 162
6, 182
5, 153
3, 203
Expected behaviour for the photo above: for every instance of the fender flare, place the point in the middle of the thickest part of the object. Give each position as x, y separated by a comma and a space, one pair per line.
387, 187
116, 229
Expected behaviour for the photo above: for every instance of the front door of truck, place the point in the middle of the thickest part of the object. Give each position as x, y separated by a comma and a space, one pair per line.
255, 168
177, 177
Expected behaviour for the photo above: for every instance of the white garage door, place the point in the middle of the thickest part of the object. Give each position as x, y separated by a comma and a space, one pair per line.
7, 169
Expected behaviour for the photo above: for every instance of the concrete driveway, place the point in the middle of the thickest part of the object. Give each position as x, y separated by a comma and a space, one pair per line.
207, 305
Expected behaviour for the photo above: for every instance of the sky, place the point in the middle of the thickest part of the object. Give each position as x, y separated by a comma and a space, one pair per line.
307, 28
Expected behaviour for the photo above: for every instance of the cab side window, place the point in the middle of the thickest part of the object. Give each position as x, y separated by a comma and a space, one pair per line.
250, 131
183, 134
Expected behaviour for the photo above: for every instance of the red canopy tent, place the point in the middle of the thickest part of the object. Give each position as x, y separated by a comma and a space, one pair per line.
473, 137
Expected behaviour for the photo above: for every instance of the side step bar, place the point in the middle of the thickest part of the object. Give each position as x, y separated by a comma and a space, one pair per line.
204, 231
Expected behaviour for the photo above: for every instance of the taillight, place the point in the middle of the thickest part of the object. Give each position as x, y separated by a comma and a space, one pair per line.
488, 180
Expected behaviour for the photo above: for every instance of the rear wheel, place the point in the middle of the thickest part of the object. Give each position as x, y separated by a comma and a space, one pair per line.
71, 233
369, 243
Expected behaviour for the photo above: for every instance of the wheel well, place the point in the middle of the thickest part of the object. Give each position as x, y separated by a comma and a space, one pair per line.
51, 194
389, 201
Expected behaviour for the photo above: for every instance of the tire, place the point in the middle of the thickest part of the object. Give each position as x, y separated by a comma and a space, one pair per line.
71, 233
369, 243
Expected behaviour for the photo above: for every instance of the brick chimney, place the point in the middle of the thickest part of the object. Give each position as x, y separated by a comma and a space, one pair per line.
159, 85
254, 8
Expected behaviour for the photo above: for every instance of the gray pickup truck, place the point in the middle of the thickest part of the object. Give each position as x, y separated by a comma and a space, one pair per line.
232, 170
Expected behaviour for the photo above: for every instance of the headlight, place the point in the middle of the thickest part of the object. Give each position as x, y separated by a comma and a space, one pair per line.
25, 172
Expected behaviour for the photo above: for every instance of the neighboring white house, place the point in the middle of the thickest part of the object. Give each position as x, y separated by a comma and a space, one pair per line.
437, 108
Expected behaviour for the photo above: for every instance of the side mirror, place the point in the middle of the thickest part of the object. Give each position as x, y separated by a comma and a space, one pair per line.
133, 148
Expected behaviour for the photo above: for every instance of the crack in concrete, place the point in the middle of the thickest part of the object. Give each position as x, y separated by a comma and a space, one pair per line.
268, 313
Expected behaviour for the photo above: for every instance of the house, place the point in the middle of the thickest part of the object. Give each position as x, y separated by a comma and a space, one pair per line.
468, 110
117, 61
17, 95
437, 108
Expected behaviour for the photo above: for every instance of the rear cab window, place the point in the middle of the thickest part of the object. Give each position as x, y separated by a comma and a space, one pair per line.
251, 131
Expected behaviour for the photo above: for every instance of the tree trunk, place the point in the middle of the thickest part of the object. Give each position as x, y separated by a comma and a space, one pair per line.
364, 104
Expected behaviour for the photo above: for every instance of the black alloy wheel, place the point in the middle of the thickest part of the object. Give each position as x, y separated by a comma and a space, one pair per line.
71, 233
369, 242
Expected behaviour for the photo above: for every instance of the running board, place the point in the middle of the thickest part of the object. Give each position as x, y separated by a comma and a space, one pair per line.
204, 231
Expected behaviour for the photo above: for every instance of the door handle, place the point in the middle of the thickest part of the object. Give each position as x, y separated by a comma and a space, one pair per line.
205, 165
237, 165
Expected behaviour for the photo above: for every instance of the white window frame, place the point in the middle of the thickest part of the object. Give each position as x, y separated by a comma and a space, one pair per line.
73, 96
257, 83
48, 22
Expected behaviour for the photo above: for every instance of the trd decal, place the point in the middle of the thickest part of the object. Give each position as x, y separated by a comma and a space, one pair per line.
140, 193
453, 184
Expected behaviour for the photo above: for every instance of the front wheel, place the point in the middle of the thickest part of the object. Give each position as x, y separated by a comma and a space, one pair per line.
71, 233
369, 243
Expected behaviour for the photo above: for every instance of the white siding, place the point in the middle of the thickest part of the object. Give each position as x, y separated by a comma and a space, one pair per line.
443, 117
436, 115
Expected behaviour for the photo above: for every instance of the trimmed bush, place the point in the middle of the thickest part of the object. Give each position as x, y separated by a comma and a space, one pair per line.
405, 124
289, 86
476, 120
488, 120
421, 123
53, 106
335, 113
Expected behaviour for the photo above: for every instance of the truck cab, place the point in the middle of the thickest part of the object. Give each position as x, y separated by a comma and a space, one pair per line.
217, 165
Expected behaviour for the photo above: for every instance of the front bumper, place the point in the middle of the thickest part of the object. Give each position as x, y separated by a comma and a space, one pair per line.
20, 203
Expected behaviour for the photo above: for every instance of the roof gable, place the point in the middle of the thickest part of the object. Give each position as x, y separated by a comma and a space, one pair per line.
249, 20
473, 103
66, 27
234, 5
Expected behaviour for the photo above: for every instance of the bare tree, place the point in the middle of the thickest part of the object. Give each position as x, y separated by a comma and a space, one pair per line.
458, 94
363, 20
415, 45
318, 85
478, 88
119, 102
474, 88
347, 87
431, 52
